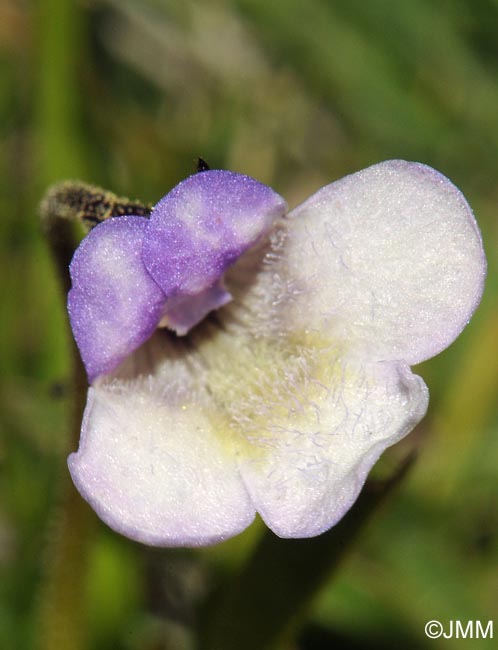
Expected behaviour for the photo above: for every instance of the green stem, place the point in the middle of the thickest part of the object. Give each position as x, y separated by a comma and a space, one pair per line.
61, 613
61, 621
262, 605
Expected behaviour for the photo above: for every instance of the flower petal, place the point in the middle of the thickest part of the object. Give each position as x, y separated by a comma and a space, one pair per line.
114, 305
153, 469
389, 258
319, 454
199, 230
183, 312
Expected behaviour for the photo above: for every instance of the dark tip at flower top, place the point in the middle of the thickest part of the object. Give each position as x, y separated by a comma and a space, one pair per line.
202, 165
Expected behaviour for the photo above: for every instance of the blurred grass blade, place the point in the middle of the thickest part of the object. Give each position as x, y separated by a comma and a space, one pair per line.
60, 44
62, 597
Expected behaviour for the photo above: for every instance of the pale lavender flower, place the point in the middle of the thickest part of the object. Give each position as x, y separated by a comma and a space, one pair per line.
280, 402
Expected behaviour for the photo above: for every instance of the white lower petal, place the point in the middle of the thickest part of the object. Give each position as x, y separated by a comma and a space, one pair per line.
154, 470
309, 463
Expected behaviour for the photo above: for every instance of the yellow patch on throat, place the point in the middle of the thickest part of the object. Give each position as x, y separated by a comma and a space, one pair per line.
262, 389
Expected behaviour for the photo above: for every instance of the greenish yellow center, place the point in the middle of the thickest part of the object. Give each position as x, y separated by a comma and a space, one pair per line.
262, 388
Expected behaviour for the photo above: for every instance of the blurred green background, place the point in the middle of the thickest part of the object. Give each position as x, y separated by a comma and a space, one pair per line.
126, 94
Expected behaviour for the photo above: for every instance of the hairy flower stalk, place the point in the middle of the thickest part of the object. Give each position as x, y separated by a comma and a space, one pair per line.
245, 359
